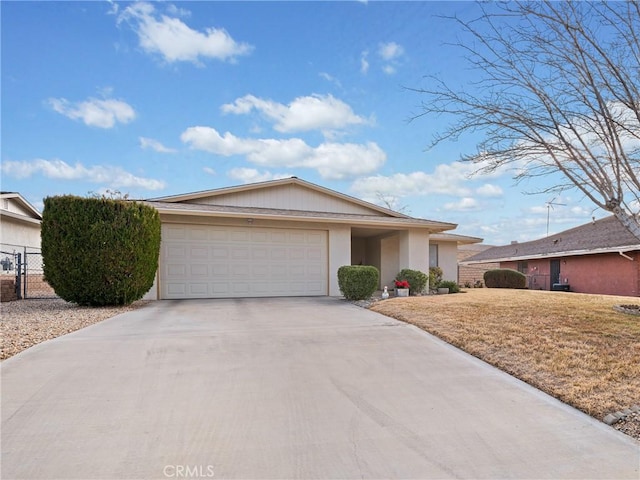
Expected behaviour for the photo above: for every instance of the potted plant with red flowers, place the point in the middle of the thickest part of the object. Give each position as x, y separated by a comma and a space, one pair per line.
402, 288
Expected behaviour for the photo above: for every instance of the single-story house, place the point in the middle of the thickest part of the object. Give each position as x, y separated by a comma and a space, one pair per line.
283, 237
20, 222
600, 257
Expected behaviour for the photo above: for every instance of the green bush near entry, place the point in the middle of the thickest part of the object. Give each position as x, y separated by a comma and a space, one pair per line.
417, 280
358, 282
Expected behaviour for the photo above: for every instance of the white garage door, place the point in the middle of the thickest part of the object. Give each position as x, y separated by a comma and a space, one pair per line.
205, 261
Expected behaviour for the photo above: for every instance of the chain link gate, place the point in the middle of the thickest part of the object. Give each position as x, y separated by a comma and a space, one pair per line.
25, 265
32, 282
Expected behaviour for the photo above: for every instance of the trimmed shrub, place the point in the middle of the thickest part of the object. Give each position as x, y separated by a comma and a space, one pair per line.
417, 280
504, 278
99, 251
435, 277
451, 285
358, 282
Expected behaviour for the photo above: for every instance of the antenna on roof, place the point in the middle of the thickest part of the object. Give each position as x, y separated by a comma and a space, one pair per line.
550, 205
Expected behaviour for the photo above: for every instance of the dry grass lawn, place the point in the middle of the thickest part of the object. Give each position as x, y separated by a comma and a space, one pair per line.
573, 346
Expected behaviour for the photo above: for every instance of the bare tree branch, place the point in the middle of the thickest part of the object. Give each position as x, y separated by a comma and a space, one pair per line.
558, 91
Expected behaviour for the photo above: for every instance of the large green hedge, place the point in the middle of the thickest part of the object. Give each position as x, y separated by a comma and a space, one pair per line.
505, 278
99, 251
358, 282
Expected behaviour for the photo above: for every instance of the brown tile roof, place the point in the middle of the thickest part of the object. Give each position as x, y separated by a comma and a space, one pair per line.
606, 234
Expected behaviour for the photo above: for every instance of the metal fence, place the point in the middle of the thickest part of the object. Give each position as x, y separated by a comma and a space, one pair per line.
26, 266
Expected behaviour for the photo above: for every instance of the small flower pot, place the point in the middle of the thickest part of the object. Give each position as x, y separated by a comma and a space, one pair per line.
443, 290
402, 292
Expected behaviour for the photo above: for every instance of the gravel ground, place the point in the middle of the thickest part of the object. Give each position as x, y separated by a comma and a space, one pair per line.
28, 322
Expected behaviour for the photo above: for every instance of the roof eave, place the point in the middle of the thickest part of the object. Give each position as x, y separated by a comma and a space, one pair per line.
378, 222
22, 201
539, 256
19, 217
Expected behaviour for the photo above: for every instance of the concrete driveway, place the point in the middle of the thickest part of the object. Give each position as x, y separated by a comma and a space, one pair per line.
284, 388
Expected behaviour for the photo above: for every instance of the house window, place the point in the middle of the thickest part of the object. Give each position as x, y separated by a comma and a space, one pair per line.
523, 267
433, 255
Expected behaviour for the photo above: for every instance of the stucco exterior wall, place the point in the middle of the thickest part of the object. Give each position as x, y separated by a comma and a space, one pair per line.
339, 255
605, 274
287, 197
447, 260
413, 250
17, 233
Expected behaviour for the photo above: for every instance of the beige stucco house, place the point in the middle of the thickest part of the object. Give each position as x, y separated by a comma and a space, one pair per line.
19, 222
284, 238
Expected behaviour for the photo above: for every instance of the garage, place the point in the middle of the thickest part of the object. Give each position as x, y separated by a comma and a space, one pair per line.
209, 261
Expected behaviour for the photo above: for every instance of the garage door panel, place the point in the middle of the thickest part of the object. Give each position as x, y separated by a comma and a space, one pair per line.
199, 289
198, 235
203, 261
220, 270
220, 252
200, 271
199, 252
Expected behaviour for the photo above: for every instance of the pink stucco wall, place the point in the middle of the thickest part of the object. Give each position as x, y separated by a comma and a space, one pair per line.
606, 274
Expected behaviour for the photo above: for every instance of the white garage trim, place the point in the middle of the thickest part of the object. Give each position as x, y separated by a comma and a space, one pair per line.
216, 261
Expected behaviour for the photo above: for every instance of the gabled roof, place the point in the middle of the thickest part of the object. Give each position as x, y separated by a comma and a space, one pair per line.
600, 236
298, 215
187, 204
33, 215
275, 183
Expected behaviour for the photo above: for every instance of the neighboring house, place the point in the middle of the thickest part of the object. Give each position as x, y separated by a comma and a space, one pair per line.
444, 252
472, 274
599, 257
19, 222
281, 238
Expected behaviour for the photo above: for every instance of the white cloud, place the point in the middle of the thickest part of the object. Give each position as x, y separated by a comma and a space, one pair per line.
251, 175
364, 62
209, 170
389, 69
463, 205
331, 160
489, 190
95, 112
390, 51
113, 10
155, 145
446, 179
175, 41
314, 112
178, 12
330, 78
59, 170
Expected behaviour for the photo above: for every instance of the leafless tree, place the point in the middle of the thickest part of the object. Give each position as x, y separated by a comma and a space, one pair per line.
392, 203
557, 91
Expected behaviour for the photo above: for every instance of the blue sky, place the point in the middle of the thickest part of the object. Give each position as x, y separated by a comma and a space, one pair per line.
154, 99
